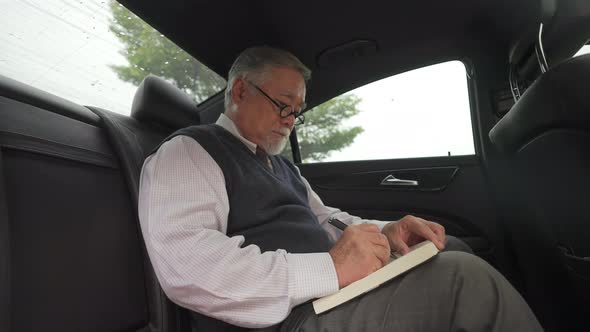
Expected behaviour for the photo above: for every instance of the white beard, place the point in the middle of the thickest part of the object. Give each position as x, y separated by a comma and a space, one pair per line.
276, 148
273, 147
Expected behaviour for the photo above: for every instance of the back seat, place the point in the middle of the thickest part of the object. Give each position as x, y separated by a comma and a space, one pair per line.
71, 253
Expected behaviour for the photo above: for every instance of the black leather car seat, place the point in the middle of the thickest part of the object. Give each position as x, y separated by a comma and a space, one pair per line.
70, 250
158, 109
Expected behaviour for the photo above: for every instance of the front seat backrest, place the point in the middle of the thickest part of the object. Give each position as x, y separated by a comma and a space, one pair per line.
547, 133
546, 137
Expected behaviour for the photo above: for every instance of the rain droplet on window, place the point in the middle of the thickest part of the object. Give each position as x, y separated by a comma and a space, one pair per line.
161, 35
135, 66
128, 17
142, 68
166, 62
187, 60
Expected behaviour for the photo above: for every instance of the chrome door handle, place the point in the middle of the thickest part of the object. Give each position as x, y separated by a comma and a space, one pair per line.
391, 180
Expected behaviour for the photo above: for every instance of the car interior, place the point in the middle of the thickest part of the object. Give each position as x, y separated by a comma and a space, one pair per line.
72, 254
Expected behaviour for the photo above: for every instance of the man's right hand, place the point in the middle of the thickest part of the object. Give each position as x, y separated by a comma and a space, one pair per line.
360, 251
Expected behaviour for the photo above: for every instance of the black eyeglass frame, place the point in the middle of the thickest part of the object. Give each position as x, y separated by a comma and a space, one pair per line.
299, 117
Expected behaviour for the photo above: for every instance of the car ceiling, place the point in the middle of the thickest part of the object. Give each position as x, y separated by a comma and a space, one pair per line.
407, 34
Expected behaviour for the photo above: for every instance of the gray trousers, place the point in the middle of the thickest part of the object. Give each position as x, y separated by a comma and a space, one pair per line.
455, 291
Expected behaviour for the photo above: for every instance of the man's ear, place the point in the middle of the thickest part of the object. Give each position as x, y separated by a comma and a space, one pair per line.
239, 90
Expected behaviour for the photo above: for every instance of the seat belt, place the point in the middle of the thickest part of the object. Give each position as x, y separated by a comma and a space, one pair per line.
131, 158
5, 254
127, 150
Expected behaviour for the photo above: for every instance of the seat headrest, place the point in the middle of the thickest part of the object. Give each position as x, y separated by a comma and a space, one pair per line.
558, 99
157, 101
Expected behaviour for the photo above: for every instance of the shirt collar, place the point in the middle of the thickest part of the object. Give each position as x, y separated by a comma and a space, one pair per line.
228, 124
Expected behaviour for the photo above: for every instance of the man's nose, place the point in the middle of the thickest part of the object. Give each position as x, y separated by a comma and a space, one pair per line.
288, 121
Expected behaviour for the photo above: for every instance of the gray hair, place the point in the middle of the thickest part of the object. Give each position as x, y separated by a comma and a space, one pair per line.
256, 63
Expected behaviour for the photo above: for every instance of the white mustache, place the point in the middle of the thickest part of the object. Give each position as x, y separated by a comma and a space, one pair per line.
284, 131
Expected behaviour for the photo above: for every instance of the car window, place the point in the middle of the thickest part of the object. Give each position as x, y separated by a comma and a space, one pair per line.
93, 53
584, 50
419, 113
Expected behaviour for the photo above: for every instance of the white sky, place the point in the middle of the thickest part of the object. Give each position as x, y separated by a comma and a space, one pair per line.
65, 47
420, 113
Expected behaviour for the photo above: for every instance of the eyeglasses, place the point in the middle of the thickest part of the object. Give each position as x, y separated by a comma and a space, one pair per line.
285, 111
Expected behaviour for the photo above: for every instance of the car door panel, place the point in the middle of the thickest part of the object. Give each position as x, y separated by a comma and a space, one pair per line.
450, 191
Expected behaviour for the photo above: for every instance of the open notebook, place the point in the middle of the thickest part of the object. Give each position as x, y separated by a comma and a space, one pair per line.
419, 254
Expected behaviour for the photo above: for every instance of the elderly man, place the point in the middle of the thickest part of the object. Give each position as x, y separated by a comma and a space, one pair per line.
237, 235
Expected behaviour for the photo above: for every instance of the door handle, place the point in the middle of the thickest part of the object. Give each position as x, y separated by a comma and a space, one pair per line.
391, 180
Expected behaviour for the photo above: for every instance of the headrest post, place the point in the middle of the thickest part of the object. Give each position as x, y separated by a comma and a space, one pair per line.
513, 79
540, 52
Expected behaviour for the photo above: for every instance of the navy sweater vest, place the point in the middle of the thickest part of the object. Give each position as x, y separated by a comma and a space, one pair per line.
268, 207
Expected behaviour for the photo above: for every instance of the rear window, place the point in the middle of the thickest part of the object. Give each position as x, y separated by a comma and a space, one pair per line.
93, 53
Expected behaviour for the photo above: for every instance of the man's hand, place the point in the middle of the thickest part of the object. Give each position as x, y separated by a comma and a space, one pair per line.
360, 251
411, 230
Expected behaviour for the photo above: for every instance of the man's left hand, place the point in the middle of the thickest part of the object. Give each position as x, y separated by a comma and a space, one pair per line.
411, 230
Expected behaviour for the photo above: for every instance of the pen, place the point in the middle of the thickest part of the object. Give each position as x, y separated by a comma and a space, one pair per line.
337, 223
342, 226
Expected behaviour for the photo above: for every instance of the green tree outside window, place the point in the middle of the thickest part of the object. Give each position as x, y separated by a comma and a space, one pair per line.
149, 52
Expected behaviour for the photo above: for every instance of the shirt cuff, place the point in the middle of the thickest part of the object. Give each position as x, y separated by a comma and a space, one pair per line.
311, 276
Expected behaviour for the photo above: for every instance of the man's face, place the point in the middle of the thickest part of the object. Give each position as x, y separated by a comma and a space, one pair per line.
258, 118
